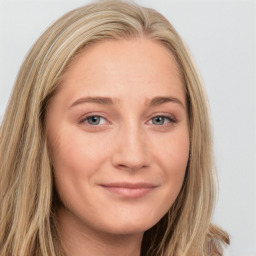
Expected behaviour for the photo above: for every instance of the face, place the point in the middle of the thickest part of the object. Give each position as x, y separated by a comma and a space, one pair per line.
118, 136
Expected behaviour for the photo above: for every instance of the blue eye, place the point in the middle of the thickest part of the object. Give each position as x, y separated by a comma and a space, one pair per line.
95, 120
162, 120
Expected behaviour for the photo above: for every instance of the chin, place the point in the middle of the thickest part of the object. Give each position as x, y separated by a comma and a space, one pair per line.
138, 226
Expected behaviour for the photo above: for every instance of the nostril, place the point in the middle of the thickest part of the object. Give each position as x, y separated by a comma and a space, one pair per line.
131, 167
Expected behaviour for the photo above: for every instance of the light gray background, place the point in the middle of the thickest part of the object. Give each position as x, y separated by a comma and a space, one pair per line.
221, 37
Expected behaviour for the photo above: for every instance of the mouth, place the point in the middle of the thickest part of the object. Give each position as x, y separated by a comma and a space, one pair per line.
129, 190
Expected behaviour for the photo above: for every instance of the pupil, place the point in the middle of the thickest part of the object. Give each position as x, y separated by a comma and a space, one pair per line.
94, 120
159, 120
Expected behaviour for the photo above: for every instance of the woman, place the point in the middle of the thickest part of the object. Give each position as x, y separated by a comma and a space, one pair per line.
105, 144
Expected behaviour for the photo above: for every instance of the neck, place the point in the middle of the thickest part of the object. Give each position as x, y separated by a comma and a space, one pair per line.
79, 240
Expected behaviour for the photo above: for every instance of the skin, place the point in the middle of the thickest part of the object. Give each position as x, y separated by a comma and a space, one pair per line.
132, 139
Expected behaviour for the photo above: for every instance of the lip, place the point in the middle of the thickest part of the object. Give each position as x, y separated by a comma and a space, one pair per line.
129, 190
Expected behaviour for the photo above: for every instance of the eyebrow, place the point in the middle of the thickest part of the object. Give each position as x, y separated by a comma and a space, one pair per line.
98, 100
156, 101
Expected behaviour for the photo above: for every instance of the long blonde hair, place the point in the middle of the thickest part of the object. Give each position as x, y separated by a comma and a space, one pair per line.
27, 195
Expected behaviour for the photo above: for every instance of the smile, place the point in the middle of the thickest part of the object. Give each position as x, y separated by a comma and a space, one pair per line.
129, 190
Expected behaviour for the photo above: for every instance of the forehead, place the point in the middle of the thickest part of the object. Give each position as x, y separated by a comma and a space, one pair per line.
123, 67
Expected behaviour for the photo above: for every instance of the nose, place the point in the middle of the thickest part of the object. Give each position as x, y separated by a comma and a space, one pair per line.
131, 150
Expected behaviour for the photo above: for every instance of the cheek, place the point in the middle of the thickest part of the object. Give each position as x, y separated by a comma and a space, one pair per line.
74, 151
172, 151
178, 155
75, 158
173, 156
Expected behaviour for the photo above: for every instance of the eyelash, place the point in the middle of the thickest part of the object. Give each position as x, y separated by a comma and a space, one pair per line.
167, 117
85, 120
170, 119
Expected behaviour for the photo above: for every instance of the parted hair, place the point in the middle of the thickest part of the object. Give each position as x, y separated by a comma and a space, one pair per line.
28, 224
